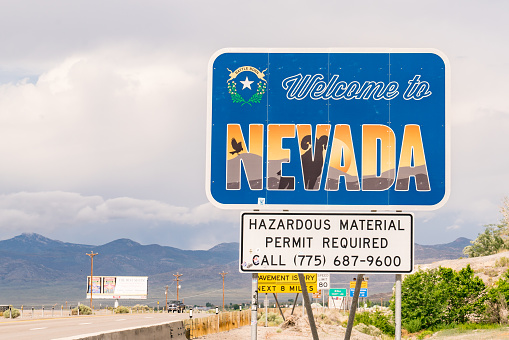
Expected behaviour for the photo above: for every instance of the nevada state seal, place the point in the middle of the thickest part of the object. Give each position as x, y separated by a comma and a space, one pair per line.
261, 85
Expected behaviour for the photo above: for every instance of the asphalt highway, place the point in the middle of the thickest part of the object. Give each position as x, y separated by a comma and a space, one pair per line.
63, 327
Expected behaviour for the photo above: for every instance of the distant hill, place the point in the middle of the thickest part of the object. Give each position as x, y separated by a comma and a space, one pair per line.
37, 270
447, 251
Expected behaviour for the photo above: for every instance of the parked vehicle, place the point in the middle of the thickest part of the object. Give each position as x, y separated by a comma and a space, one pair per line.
176, 306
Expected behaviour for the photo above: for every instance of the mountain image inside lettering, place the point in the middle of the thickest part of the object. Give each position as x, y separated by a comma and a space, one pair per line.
251, 161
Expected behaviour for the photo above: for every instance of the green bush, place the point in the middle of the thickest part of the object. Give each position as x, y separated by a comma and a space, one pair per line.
488, 243
412, 326
15, 313
381, 321
84, 310
369, 330
441, 296
273, 319
122, 310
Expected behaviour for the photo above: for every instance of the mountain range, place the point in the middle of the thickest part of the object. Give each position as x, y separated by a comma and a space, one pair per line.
36, 270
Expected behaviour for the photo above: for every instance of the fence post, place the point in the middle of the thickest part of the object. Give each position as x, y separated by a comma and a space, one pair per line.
32, 312
52, 310
22, 311
42, 311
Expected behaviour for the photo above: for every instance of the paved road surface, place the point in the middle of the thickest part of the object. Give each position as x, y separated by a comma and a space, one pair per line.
54, 328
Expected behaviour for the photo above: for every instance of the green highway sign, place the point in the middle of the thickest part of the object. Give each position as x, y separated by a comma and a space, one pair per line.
337, 292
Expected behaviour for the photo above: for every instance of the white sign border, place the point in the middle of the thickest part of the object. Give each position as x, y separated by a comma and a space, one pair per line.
314, 270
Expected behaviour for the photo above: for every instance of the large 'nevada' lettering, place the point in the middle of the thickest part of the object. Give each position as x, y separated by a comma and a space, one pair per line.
378, 157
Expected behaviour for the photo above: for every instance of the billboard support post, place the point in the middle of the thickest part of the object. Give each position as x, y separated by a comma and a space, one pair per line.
307, 304
353, 307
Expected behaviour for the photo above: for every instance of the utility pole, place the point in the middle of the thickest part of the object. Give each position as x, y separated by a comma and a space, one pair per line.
91, 274
166, 294
223, 274
177, 279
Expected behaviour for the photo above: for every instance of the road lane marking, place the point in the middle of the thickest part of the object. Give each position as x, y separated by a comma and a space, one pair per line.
120, 319
85, 323
35, 329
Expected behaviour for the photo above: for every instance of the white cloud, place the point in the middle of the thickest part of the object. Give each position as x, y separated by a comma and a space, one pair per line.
46, 211
103, 119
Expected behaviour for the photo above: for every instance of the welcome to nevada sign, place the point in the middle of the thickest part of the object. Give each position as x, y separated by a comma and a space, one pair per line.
328, 129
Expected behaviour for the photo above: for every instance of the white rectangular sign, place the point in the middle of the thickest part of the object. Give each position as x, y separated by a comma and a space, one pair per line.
118, 287
323, 280
328, 242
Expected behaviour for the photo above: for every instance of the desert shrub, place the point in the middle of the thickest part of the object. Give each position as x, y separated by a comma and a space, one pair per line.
273, 319
368, 329
122, 310
15, 313
412, 326
487, 243
381, 321
140, 308
502, 262
425, 334
84, 310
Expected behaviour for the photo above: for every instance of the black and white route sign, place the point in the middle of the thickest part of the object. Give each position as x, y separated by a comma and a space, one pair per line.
326, 242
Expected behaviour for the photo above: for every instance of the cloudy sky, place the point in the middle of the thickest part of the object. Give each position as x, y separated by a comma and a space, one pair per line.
101, 102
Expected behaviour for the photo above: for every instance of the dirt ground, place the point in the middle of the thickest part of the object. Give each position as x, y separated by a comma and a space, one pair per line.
298, 329
338, 332
328, 323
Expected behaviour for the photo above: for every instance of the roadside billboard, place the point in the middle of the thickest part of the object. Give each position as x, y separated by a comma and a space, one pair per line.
328, 129
118, 287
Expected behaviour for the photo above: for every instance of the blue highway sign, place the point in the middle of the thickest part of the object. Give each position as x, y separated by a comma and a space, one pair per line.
328, 129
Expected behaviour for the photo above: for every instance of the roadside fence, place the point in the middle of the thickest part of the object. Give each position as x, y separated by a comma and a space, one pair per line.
217, 323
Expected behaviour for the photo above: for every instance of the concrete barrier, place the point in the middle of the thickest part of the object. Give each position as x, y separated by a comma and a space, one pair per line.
173, 330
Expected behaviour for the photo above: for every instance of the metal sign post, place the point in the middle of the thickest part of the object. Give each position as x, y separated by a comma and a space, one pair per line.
254, 306
397, 311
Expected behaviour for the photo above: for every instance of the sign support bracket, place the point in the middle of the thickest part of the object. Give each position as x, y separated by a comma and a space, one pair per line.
295, 302
353, 308
307, 304
279, 306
